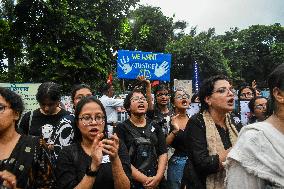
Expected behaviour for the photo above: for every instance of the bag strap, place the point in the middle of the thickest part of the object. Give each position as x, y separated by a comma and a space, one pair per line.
30, 122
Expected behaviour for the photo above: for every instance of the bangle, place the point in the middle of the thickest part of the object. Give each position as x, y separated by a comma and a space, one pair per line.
174, 133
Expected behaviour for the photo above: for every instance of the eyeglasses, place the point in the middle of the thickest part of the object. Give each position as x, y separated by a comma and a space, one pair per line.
88, 119
137, 99
223, 90
260, 106
184, 96
162, 94
2, 108
247, 94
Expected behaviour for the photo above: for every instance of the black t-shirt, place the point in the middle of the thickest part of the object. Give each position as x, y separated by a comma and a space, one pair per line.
30, 164
196, 143
57, 129
179, 143
160, 119
124, 134
73, 162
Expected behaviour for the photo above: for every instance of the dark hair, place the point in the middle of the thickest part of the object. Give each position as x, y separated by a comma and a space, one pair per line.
105, 88
244, 87
275, 79
77, 88
251, 103
161, 87
127, 100
48, 90
207, 88
78, 109
15, 100
194, 97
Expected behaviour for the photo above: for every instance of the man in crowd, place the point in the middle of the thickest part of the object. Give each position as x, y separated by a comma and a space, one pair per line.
111, 104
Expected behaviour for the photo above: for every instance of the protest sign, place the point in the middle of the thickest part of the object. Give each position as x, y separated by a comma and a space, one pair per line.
154, 66
185, 85
27, 91
193, 109
245, 112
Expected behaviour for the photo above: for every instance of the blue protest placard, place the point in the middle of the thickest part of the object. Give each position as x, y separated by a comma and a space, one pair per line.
154, 66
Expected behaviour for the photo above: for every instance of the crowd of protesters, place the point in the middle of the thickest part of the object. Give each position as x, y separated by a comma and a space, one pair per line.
158, 146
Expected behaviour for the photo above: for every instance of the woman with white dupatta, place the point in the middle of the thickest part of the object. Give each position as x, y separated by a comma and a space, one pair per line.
257, 159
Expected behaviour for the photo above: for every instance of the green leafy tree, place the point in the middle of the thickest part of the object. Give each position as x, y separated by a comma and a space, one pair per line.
203, 48
148, 29
254, 52
68, 41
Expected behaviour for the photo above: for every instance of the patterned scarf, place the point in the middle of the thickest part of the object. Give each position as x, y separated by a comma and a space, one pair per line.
215, 146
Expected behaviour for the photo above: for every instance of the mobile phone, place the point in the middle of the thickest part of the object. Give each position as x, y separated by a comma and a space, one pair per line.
109, 131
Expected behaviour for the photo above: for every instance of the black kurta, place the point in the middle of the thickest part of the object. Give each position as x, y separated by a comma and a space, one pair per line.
196, 143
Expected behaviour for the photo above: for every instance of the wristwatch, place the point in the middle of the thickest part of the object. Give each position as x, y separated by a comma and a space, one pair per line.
91, 173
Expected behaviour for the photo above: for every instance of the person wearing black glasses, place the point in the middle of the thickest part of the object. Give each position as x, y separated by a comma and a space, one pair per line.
246, 93
95, 160
211, 133
257, 106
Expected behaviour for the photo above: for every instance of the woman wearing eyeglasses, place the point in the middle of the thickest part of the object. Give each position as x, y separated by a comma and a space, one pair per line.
145, 142
23, 159
211, 133
176, 139
257, 108
93, 161
256, 161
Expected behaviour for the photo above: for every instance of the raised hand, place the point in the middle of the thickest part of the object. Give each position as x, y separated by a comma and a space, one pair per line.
162, 69
124, 65
144, 80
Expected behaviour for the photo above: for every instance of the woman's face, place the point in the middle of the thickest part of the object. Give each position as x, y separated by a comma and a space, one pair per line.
84, 92
246, 94
138, 104
48, 106
163, 97
91, 120
181, 100
8, 116
260, 108
222, 97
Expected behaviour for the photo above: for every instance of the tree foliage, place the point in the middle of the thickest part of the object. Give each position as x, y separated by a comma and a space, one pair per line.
254, 52
148, 29
72, 41
203, 48
66, 41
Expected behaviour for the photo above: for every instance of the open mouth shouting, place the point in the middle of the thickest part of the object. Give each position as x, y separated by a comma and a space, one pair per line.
141, 107
94, 131
184, 103
230, 102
